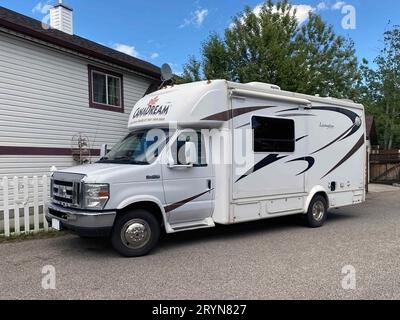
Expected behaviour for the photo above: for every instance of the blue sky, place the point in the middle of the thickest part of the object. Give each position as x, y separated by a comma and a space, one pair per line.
169, 31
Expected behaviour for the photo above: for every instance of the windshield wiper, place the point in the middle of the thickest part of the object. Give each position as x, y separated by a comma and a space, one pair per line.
138, 162
124, 159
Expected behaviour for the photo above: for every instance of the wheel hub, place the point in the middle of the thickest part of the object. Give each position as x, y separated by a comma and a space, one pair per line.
318, 211
136, 233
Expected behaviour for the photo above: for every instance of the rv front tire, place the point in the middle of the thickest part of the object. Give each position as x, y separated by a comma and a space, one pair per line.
317, 212
135, 233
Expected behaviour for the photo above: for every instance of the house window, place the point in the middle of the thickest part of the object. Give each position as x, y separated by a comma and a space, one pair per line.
273, 135
105, 90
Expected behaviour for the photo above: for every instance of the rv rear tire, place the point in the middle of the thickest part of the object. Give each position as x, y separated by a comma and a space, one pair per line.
135, 233
317, 212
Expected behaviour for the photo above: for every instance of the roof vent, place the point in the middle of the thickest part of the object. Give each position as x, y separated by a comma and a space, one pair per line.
61, 18
264, 86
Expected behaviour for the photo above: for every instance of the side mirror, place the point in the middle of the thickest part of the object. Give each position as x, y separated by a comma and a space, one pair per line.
190, 153
103, 150
187, 155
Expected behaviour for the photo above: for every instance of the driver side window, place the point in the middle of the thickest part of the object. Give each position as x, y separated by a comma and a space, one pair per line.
178, 148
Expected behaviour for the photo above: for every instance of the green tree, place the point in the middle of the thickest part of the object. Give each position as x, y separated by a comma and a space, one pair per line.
215, 58
260, 46
191, 71
328, 62
270, 46
380, 89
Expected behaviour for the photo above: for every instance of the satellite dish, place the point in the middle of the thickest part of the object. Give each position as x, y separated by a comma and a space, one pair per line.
166, 72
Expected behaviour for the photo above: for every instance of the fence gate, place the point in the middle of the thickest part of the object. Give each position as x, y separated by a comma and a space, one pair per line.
385, 166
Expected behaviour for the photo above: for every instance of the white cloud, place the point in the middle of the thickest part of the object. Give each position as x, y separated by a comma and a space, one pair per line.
154, 55
42, 8
196, 18
257, 9
200, 16
302, 12
322, 6
327, 5
124, 48
338, 5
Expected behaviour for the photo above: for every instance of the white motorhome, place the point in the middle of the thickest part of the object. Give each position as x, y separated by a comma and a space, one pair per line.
216, 152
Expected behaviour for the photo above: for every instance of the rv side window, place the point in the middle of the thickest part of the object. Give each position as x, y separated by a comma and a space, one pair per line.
273, 135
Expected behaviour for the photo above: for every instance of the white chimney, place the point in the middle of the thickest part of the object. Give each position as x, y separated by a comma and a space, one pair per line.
61, 18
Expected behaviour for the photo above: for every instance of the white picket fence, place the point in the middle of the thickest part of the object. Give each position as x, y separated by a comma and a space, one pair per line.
22, 206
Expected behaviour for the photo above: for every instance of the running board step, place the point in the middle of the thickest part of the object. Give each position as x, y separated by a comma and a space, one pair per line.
206, 223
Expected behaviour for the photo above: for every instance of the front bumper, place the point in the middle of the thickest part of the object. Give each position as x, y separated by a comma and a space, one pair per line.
84, 223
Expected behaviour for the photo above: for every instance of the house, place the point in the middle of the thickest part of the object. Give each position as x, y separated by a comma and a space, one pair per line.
61, 96
372, 133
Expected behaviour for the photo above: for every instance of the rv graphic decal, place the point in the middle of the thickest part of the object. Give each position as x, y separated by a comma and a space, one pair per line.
357, 147
357, 122
301, 138
152, 109
181, 203
272, 158
310, 160
293, 115
230, 114
326, 125
350, 114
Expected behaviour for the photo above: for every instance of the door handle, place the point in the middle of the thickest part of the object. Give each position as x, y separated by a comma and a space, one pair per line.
209, 184
153, 177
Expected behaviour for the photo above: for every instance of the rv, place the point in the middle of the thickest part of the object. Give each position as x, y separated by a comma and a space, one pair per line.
216, 153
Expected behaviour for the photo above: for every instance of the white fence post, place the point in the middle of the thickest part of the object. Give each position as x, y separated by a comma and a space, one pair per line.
17, 229
45, 198
6, 208
35, 204
25, 203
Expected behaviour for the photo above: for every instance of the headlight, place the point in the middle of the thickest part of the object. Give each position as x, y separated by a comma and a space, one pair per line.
96, 196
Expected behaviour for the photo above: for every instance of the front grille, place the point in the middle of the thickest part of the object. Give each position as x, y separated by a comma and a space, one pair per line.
66, 193
63, 183
66, 189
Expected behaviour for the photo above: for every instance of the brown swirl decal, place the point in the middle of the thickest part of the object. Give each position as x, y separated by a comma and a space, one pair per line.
357, 147
230, 114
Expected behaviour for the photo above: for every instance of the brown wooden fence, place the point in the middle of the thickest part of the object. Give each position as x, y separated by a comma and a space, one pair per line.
385, 166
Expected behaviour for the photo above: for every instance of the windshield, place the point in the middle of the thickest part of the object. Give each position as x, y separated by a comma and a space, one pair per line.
140, 147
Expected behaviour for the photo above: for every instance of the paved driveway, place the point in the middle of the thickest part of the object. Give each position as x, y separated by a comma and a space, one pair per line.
273, 259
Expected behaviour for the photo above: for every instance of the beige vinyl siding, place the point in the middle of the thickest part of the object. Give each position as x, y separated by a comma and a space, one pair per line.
31, 165
44, 102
